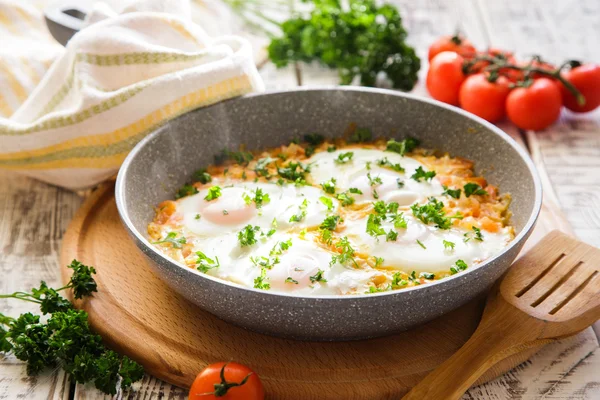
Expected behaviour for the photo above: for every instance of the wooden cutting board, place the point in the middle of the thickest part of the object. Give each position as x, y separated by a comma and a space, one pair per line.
139, 315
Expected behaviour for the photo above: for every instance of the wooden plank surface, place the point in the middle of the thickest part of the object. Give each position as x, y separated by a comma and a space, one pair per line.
34, 215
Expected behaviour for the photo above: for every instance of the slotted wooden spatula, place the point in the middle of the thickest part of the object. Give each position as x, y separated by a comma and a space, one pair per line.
553, 291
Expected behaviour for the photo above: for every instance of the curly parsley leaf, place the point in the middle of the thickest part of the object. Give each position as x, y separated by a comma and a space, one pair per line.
173, 240
329, 186
402, 147
344, 158
473, 188
454, 193
214, 192
421, 174
361, 41
318, 277
186, 190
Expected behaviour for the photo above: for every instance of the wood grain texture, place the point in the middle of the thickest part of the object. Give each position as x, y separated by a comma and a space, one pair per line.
555, 28
174, 339
33, 217
551, 292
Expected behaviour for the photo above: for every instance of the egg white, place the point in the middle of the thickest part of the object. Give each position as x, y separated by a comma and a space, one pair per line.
354, 174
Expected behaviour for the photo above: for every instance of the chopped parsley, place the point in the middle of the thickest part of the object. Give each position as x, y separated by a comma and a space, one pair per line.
405, 146
204, 264
427, 275
331, 149
391, 236
421, 244
261, 167
327, 202
225, 212
289, 279
476, 232
448, 245
171, 238
261, 281
202, 176
374, 226
400, 183
186, 190
397, 281
473, 188
294, 172
330, 223
314, 139
214, 192
460, 265
318, 277
454, 193
301, 212
240, 157
360, 135
247, 236
345, 197
280, 247
390, 211
421, 174
197, 216
378, 262
260, 198
346, 253
433, 211
329, 186
343, 158
374, 181
384, 162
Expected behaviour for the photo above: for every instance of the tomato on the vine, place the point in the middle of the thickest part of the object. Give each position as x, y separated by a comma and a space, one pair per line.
484, 98
586, 79
534, 107
445, 76
227, 381
456, 43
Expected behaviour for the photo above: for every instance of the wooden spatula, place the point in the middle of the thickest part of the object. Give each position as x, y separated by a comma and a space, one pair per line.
553, 291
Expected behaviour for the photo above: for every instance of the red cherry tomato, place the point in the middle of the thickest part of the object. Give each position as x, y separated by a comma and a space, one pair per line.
445, 77
227, 381
586, 79
535, 107
484, 98
456, 43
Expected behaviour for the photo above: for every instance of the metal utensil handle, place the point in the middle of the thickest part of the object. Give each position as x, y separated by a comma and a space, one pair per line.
65, 19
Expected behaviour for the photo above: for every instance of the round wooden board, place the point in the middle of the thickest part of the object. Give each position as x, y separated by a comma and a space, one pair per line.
139, 315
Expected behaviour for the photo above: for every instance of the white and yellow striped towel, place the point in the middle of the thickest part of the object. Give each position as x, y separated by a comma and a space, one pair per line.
116, 81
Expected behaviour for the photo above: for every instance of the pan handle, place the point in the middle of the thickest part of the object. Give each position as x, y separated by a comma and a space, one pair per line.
65, 19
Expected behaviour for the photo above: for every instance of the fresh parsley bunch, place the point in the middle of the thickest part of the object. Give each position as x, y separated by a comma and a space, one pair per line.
65, 338
362, 40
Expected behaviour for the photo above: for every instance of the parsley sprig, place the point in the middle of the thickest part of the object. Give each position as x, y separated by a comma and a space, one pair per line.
65, 338
473, 188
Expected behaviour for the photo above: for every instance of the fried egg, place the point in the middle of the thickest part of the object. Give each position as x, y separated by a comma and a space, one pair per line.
321, 231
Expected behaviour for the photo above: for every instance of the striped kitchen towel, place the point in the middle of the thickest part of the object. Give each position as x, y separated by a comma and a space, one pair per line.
116, 81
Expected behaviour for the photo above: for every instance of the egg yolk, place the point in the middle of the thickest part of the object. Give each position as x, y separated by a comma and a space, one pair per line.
229, 209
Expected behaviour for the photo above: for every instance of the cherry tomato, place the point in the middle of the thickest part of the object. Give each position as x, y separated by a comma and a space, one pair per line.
456, 43
586, 79
483, 98
445, 77
227, 381
535, 107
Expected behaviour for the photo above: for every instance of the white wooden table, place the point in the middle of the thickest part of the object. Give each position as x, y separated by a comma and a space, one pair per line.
34, 216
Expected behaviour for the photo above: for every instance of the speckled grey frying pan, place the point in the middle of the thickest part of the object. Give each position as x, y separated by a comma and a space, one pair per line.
165, 160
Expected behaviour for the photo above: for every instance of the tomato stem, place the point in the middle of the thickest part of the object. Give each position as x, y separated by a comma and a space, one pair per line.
223, 387
499, 63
